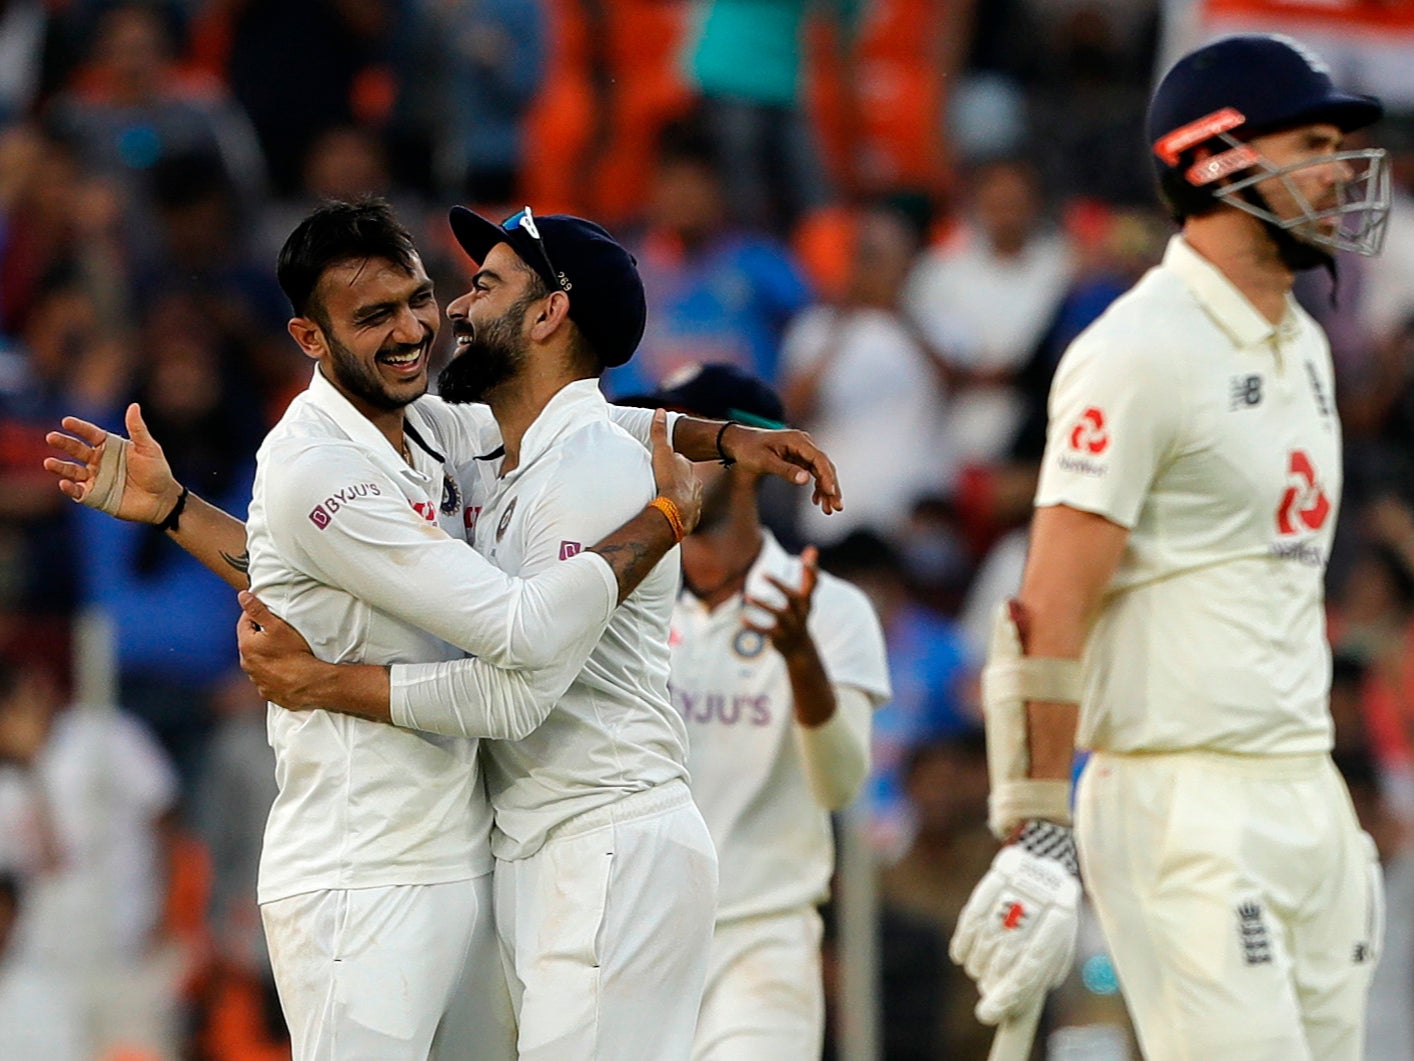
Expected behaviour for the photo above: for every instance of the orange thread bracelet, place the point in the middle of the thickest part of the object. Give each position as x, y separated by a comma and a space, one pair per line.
670, 512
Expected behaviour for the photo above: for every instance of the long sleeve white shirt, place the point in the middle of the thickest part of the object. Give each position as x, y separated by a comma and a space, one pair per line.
614, 732
367, 558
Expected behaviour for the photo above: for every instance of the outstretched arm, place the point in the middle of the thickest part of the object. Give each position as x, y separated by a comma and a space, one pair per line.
132, 480
786, 453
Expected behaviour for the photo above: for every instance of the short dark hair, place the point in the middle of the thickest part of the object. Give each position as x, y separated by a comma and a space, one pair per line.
339, 231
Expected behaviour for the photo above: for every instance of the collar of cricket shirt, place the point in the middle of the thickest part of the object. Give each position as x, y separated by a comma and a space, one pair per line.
1227, 306
326, 397
574, 405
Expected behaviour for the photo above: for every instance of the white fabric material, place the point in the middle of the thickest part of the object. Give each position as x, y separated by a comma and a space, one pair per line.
1242, 925
835, 754
999, 307
614, 731
765, 998
1185, 416
1016, 934
366, 557
462, 697
368, 973
106, 782
879, 416
745, 752
607, 927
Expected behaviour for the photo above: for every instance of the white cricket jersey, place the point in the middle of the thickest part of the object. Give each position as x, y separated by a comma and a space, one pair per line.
730, 685
1184, 415
614, 731
367, 558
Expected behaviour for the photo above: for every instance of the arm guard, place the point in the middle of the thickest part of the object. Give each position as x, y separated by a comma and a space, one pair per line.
1009, 680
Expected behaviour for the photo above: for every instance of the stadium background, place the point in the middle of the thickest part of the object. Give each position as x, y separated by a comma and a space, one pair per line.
899, 211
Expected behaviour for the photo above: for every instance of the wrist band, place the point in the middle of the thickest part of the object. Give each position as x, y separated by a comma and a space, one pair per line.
727, 462
669, 509
170, 523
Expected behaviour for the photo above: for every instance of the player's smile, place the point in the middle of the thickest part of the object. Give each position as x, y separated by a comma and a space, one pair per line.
406, 362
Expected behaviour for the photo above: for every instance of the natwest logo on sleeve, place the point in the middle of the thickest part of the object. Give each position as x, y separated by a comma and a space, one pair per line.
1304, 505
1090, 435
569, 549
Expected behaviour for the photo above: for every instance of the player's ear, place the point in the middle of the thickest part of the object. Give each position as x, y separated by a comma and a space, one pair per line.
554, 314
309, 335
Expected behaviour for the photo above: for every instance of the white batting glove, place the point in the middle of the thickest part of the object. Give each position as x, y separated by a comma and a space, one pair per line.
1016, 935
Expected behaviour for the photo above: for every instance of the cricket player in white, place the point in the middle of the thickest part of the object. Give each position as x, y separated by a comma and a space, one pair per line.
606, 877
1174, 591
776, 669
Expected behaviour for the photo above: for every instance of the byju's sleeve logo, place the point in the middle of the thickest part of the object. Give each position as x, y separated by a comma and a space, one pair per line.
1090, 435
1304, 504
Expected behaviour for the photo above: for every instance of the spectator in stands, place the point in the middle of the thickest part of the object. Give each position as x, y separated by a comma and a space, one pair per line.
998, 282
869, 388
1389, 1026
748, 61
132, 106
37, 1015
86, 805
931, 676
718, 292
495, 52
172, 620
944, 779
300, 68
23, 24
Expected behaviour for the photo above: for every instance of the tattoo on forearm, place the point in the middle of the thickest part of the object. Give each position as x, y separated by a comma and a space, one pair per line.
240, 563
630, 561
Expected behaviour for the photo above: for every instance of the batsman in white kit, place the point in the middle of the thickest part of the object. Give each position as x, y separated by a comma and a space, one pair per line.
776, 669
1172, 607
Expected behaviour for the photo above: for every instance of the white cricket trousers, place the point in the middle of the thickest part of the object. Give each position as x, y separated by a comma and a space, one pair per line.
1240, 900
605, 931
399, 973
765, 999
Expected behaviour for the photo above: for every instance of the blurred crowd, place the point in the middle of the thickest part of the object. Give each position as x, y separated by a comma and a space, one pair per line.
898, 211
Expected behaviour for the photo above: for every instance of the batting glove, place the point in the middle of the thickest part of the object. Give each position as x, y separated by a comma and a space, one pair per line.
1016, 935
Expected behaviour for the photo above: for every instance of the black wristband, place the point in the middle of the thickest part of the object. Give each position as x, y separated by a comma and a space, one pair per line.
170, 523
727, 462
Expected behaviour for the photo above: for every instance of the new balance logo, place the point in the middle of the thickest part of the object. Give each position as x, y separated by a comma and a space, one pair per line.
1245, 392
1252, 934
1362, 953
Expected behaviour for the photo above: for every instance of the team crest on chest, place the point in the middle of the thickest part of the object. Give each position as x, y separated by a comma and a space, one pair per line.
506, 519
451, 495
748, 644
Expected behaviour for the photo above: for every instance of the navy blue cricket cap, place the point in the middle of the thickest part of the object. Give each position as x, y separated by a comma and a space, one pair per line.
577, 257
1248, 85
717, 391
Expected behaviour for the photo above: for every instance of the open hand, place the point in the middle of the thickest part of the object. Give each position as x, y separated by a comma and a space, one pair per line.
127, 479
789, 454
788, 633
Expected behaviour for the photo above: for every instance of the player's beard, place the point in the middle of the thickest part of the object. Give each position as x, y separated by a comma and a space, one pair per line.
495, 354
361, 380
